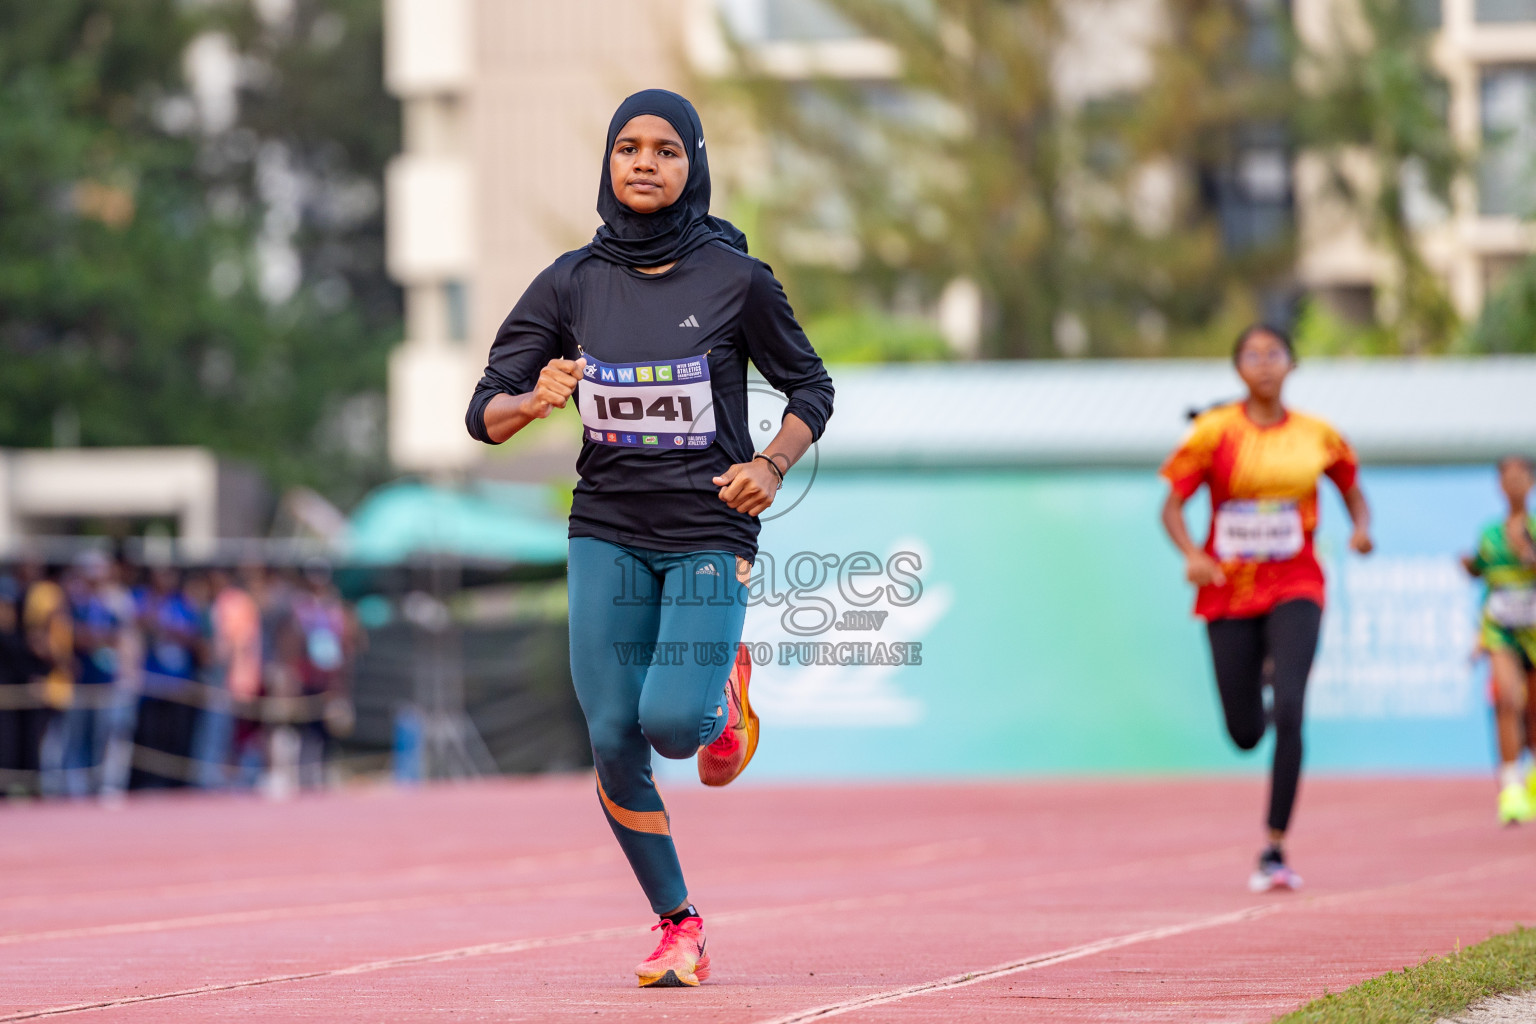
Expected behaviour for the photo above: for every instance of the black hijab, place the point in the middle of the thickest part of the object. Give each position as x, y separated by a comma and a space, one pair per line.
651, 239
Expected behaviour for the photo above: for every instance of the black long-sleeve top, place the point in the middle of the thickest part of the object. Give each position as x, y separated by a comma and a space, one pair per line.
716, 302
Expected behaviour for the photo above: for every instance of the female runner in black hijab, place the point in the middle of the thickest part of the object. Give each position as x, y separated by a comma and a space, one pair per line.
651, 326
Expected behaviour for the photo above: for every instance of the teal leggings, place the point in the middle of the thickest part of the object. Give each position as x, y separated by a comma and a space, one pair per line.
653, 635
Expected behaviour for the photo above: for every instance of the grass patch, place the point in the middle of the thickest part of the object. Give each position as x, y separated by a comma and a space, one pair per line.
1433, 989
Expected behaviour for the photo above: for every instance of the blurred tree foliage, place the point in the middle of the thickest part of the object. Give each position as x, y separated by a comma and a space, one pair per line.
1508, 319
181, 272
1096, 221
867, 336
1374, 109
952, 170
1319, 331
1215, 108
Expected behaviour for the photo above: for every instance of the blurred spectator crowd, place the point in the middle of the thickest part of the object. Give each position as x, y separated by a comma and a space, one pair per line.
115, 676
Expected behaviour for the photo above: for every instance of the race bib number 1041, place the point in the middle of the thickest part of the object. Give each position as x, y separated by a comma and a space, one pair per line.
655, 405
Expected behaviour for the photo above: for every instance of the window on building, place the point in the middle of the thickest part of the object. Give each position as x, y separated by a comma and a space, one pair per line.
1253, 195
806, 21
1507, 169
456, 303
1267, 35
1494, 11
1428, 13
1352, 303
1251, 192
1422, 207
791, 21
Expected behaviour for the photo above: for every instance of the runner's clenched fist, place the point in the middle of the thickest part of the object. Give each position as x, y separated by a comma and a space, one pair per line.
557, 382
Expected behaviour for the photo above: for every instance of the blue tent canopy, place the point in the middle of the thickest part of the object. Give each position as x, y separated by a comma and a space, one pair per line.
491, 521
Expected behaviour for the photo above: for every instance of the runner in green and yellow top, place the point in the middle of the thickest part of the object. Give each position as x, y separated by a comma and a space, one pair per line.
1506, 561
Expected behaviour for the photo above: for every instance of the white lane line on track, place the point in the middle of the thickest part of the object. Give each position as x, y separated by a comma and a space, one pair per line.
910, 856
523, 945
488, 949
1089, 949
1488, 870
821, 906
407, 873
904, 856
1033, 963
461, 953
472, 897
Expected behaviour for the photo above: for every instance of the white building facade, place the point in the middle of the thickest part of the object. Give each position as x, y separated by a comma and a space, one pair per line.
505, 105
1486, 49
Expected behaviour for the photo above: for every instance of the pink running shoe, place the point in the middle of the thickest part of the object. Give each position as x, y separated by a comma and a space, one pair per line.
1273, 873
679, 959
728, 756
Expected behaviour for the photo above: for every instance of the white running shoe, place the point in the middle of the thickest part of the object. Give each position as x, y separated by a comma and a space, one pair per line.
1273, 873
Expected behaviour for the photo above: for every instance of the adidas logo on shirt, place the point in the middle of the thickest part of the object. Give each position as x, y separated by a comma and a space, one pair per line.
692, 321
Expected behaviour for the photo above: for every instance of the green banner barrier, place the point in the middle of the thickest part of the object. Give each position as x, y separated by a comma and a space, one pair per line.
1037, 622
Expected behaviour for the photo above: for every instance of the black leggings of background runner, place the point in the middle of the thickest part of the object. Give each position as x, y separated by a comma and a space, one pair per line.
1286, 638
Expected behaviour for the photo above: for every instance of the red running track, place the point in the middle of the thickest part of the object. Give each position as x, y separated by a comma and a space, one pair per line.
508, 901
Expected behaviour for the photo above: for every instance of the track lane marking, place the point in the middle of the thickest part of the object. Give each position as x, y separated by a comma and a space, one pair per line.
843, 904
460, 953
1149, 935
426, 872
487, 949
305, 910
902, 857
1033, 963
893, 899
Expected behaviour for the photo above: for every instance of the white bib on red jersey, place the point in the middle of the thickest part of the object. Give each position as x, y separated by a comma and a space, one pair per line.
1258, 531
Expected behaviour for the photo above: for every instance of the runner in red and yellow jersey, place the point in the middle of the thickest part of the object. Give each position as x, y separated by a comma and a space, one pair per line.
1260, 587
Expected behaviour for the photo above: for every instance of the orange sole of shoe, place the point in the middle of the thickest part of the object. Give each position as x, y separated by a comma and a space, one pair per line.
670, 978
744, 667
744, 660
753, 724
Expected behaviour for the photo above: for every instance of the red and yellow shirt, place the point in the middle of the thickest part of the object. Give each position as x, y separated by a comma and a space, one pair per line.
1263, 484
